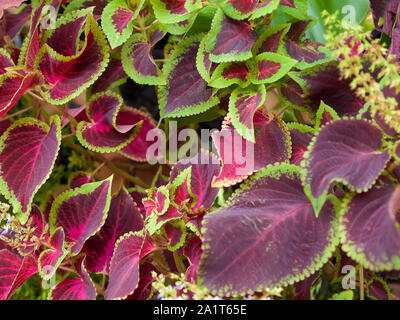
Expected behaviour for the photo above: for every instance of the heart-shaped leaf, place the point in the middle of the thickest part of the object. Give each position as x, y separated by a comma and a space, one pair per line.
301, 136
261, 230
271, 39
229, 73
28, 150
86, 206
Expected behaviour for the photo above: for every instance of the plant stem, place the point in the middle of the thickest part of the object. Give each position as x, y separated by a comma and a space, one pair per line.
178, 263
361, 282
18, 113
101, 159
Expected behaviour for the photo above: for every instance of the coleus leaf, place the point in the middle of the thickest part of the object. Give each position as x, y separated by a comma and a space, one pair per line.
182, 77
124, 267
176, 234
243, 104
271, 40
28, 150
292, 93
5, 4
12, 87
81, 288
228, 73
14, 271
50, 259
123, 217
66, 76
272, 145
230, 40
264, 7
174, 11
86, 206
117, 20
379, 8
144, 288
136, 150
264, 222
105, 133
369, 227
328, 86
192, 250
270, 67
347, 151
137, 57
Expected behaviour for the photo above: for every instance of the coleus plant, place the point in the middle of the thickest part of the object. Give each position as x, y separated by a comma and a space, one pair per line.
84, 215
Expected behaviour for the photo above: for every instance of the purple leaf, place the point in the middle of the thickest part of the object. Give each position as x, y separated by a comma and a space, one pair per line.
346, 151
328, 86
14, 271
240, 157
68, 75
183, 77
81, 288
369, 227
105, 133
193, 252
176, 234
230, 40
12, 87
28, 150
124, 267
271, 39
137, 57
243, 104
86, 206
50, 259
122, 218
143, 290
261, 231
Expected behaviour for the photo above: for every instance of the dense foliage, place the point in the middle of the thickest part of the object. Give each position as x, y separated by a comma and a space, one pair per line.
294, 195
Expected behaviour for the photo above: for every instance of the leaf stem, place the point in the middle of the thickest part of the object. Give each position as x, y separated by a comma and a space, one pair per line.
18, 113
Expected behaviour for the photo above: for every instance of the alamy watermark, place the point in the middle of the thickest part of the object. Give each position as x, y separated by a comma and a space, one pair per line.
234, 148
